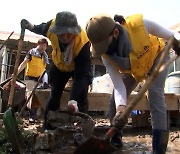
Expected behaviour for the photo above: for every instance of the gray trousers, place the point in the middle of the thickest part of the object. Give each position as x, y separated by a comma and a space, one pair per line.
155, 96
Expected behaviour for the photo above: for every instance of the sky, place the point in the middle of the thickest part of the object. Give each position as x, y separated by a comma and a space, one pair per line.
164, 12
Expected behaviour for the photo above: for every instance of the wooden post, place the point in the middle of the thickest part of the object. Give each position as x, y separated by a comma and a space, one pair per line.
13, 82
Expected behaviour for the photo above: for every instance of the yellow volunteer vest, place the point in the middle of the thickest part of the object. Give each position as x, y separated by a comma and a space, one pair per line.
57, 55
145, 47
35, 67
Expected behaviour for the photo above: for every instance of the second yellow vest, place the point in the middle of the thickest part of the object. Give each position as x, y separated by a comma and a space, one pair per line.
35, 67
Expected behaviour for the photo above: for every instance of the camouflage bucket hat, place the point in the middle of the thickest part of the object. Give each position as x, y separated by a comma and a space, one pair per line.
65, 22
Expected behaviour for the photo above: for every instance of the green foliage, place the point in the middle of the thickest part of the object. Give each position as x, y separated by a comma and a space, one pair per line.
5, 146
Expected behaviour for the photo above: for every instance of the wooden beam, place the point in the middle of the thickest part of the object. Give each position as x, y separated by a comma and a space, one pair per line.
100, 101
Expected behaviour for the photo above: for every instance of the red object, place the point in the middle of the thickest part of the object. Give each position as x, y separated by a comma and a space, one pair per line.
111, 132
71, 108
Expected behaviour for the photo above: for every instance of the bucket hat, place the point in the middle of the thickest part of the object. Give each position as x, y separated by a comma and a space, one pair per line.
98, 29
65, 22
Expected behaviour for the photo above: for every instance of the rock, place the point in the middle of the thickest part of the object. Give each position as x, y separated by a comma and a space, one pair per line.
79, 139
58, 116
88, 127
45, 141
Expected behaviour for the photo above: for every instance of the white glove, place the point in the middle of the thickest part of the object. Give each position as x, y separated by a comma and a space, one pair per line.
72, 106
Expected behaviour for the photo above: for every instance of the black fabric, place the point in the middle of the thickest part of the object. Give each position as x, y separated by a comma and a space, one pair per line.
42, 28
120, 48
119, 18
29, 56
113, 47
79, 93
160, 141
62, 46
83, 64
58, 80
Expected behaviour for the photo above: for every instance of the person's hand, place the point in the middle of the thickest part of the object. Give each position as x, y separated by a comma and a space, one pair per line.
72, 106
110, 133
25, 24
176, 43
118, 121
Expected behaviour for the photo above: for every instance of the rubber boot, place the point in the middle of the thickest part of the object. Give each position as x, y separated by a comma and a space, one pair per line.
116, 140
160, 141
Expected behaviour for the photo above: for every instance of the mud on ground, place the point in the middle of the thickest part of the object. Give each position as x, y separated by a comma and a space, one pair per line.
135, 140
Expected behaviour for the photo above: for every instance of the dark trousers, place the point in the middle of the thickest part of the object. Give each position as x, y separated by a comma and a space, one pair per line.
79, 91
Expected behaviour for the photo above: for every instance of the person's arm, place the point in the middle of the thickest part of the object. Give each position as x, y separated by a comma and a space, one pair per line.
22, 65
82, 76
25, 61
40, 29
157, 30
83, 62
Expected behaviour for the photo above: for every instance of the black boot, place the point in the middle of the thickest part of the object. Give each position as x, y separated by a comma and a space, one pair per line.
116, 140
160, 141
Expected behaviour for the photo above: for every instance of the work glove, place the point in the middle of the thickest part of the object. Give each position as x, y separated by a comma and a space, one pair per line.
118, 121
176, 43
72, 106
25, 24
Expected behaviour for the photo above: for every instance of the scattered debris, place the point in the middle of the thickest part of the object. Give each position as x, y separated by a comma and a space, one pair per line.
70, 134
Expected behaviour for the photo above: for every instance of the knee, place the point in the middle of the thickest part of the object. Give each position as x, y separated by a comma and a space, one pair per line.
155, 91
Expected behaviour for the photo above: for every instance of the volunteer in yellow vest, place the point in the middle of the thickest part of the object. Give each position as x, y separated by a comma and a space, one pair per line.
35, 63
71, 58
129, 52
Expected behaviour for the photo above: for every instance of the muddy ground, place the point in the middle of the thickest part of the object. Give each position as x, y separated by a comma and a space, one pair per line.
135, 140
